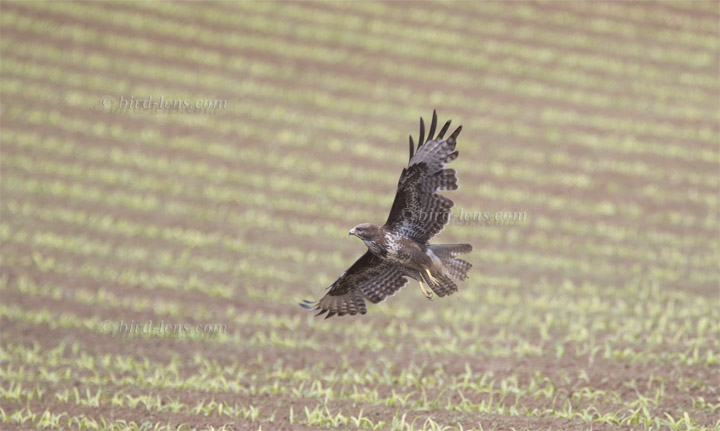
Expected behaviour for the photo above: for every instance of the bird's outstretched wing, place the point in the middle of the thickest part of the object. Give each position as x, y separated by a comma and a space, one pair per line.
418, 211
368, 278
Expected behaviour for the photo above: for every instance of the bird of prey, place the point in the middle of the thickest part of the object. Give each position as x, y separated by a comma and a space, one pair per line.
400, 247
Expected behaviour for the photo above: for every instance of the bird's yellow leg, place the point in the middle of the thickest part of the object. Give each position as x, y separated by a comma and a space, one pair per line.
425, 292
433, 280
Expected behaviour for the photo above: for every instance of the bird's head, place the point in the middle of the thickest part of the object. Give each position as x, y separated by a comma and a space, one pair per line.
365, 231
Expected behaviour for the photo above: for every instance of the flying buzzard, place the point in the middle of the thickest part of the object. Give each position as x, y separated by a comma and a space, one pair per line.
400, 248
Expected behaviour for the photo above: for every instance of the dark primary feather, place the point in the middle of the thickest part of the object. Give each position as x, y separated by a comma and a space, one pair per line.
456, 133
444, 129
431, 133
412, 149
418, 211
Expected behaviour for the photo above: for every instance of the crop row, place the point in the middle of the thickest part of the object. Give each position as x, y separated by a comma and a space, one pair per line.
328, 39
414, 388
573, 323
256, 84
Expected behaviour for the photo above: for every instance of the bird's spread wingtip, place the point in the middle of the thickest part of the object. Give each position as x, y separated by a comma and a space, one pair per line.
306, 304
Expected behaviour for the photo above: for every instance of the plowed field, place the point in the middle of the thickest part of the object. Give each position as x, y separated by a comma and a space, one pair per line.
177, 176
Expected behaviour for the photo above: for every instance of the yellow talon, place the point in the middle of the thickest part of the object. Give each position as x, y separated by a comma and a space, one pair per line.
433, 280
427, 294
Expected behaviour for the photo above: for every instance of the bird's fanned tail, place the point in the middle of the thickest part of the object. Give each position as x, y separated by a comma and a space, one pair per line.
453, 266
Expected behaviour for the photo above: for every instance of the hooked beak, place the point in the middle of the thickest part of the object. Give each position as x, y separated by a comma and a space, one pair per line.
352, 232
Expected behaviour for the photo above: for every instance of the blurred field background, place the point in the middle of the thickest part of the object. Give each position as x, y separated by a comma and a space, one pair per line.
597, 121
